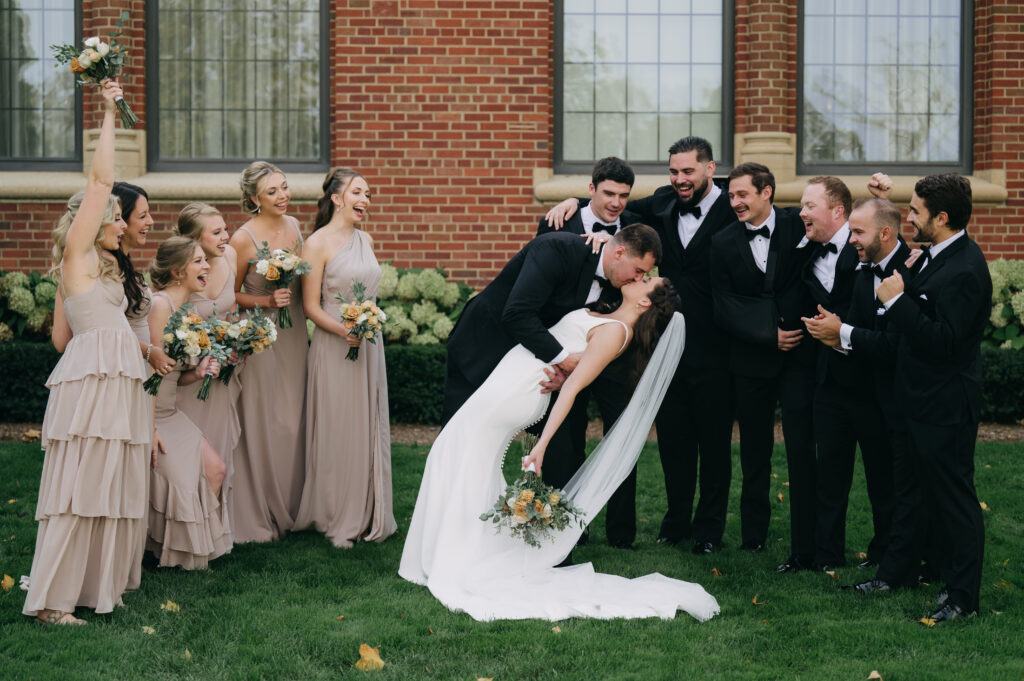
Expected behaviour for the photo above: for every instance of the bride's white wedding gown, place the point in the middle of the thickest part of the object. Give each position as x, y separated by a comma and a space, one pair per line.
470, 567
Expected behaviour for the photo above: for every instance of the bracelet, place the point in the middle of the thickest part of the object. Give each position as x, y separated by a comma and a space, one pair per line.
149, 350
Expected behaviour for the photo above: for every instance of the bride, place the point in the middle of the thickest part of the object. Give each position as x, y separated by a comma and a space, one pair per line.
471, 568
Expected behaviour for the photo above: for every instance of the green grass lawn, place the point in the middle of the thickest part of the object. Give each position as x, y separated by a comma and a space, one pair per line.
272, 611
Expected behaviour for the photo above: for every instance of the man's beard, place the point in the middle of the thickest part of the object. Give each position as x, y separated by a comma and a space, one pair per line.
699, 192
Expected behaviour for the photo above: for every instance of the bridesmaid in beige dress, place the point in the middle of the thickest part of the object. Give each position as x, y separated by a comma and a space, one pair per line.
98, 421
216, 417
188, 524
269, 460
347, 494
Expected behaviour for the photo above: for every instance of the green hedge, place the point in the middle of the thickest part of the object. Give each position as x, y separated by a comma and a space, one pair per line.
416, 382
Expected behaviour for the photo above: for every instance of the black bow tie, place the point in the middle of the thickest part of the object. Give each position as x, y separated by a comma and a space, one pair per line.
926, 255
878, 271
693, 210
827, 248
763, 231
601, 227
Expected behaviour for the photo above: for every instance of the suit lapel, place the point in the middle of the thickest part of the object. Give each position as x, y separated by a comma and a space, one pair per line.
935, 264
587, 276
704, 232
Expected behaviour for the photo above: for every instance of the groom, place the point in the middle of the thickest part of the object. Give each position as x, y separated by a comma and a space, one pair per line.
552, 275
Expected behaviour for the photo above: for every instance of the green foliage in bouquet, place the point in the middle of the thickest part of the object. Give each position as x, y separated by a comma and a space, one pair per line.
420, 304
532, 510
1005, 328
26, 306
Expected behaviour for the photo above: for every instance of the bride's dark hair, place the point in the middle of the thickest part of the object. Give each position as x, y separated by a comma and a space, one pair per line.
650, 326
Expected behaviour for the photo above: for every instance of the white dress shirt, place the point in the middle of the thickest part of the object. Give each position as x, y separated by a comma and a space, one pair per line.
846, 331
588, 218
688, 224
759, 244
825, 266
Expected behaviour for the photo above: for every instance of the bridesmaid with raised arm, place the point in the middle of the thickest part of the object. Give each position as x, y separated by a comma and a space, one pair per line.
270, 460
347, 494
188, 524
216, 417
98, 422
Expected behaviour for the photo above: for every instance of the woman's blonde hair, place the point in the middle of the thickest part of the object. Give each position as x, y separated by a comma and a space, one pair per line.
250, 183
108, 268
190, 219
172, 257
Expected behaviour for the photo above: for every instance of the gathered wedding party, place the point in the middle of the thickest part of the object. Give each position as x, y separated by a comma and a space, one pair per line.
584, 339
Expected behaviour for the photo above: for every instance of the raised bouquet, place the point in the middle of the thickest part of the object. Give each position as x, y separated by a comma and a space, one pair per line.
246, 336
361, 317
187, 339
97, 61
280, 267
531, 510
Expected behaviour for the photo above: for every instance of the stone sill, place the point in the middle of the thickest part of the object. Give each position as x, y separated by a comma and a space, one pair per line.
209, 187
988, 187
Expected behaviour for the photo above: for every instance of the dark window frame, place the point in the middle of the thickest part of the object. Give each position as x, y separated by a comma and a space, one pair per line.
893, 167
74, 162
155, 163
723, 154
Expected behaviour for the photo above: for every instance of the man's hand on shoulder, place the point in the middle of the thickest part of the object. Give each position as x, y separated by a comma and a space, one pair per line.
557, 216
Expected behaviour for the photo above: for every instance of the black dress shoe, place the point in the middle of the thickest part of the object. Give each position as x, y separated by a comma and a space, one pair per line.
704, 548
792, 564
753, 547
671, 541
867, 564
951, 611
871, 586
941, 597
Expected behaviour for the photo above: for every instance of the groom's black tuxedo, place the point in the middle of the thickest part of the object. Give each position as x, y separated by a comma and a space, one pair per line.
549, 277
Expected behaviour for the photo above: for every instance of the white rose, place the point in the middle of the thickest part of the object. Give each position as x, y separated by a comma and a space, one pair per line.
84, 61
93, 55
234, 331
261, 266
192, 349
521, 519
103, 49
273, 333
361, 318
182, 335
92, 42
546, 513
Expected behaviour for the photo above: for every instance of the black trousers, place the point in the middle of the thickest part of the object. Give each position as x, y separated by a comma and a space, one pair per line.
755, 411
695, 442
945, 455
567, 452
843, 417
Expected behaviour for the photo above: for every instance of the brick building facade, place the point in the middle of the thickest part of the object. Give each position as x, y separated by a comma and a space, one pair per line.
447, 106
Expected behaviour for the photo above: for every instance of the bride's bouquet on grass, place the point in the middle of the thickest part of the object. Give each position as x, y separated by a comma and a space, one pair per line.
531, 510
97, 61
280, 267
187, 339
361, 317
249, 336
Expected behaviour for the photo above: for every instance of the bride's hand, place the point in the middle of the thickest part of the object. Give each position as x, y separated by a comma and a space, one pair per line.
597, 240
536, 458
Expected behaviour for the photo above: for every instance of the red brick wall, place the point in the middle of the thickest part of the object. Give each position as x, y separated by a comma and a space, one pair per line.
765, 69
99, 18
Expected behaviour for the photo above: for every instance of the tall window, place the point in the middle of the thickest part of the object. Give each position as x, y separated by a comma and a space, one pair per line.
633, 76
885, 83
39, 120
234, 80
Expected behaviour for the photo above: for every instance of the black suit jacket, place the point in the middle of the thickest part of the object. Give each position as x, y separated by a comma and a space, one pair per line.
751, 305
689, 269
941, 316
874, 340
832, 365
548, 278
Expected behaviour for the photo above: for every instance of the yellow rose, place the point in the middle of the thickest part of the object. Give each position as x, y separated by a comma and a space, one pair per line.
538, 506
168, 338
349, 324
526, 495
273, 274
352, 312
519, 508
554, 499
204, 339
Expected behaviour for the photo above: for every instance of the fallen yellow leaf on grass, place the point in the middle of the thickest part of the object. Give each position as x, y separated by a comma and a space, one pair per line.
11, 501
369, 659
757, 602
766, 621
861, 555
556, 629
340, 617
927, 621
785, 484
170, 606
984, 506
716, 572
148, 630
781, 497
7, 582
832, 574
875, 676
430, 629
1003, 584
30, 435
1006, 562
485, 678
188, 655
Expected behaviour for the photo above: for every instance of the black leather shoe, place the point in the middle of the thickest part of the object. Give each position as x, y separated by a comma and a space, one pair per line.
620, 544
871, 586
753, 547
867, 564
792, 564
951, 611
671, 541
704, 548
941, 597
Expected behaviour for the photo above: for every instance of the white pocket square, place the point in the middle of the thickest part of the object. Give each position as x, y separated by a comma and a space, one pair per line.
923, 297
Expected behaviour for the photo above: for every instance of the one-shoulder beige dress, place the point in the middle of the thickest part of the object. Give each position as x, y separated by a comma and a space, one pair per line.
217, 417
347, 494
188, 525
270, 460
96, 433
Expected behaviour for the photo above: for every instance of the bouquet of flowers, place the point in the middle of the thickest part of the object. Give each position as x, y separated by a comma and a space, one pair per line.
531, 510
96, 62
280, 267
249, 336
361, 317
187, 338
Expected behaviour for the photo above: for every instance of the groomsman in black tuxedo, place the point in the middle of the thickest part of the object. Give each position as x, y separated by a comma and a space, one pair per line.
757, 265
867, 334
846, 412
550, 276
941, 314
695, 420
610, 185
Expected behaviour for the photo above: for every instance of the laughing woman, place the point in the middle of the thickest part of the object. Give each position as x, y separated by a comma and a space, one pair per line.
270, 460
347, 495
98, 421
188, 524
216, 417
